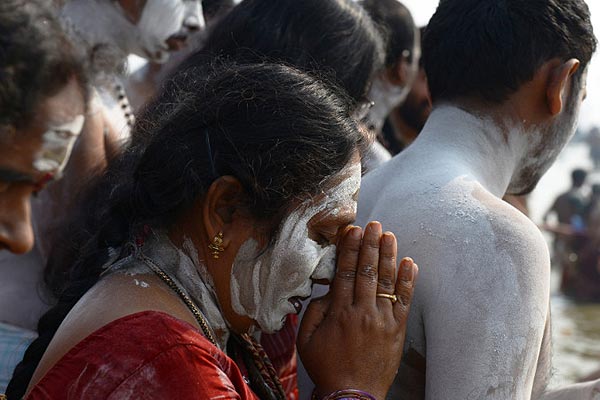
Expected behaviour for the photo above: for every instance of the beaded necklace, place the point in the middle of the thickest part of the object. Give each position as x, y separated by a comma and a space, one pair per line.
184, 297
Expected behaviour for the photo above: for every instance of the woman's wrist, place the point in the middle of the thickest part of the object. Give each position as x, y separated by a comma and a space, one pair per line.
344, 394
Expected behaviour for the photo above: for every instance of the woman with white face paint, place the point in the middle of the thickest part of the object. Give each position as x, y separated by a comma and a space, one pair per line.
209, 233
314, 36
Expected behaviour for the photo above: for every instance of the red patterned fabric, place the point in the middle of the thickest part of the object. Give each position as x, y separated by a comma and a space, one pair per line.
148, 355
281, 349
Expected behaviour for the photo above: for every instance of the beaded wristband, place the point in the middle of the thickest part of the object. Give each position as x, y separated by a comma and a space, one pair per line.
346, 394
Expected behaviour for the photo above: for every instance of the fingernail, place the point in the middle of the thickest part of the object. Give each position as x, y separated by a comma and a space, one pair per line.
406, 269
355, 233
388, 239
374, 226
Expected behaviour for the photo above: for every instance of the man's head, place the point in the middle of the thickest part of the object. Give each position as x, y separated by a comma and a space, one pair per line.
521, 62
578, 177
42, 107
487, 49
403, 45
417, 106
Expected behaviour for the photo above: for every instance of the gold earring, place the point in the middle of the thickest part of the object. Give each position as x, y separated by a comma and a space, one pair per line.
217, 245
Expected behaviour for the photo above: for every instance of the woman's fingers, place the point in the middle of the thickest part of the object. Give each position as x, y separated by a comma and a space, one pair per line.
314, 315
405, 285
368, 264
386, 280
343, 284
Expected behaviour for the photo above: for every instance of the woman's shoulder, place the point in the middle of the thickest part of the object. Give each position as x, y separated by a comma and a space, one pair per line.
148, 353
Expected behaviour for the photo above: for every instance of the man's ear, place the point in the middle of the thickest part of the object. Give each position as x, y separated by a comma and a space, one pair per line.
557, 84
132, 9
221, 206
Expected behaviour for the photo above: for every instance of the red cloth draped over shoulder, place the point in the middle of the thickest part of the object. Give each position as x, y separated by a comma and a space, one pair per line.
148, 355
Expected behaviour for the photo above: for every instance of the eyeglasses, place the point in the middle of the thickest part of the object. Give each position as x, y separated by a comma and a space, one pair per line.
362, 109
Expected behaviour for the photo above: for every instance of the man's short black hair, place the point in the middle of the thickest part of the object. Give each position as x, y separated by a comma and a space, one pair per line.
488, 48
578, 177
396, 25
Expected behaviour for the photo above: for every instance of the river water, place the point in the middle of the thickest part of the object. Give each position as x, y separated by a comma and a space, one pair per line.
576, 327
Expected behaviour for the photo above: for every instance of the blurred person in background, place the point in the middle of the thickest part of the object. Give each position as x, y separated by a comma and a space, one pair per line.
43, 94
143, 83
580, 260
393, 82
111, 30
569, 209
571, 204
406, 121
593, 141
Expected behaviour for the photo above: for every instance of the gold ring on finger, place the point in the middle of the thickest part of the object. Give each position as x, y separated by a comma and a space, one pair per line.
392, 297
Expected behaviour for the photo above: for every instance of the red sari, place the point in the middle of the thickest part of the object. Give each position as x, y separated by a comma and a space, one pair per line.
148, 355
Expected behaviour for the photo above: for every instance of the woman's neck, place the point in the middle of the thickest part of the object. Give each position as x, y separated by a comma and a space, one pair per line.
182, 264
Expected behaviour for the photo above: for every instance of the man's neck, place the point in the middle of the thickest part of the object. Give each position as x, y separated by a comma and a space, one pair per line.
474, 145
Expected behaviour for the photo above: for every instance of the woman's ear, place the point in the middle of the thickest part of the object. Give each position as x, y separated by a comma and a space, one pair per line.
557, 84
221, 206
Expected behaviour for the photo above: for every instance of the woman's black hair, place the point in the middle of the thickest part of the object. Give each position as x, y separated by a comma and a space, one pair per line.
36, 59
335, 37
213, 8
279, 131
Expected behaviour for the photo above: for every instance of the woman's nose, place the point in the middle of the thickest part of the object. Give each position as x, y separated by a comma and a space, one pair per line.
194, 17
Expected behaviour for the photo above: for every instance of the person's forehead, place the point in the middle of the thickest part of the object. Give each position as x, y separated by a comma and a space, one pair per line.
19, 147
349, 176
62, 107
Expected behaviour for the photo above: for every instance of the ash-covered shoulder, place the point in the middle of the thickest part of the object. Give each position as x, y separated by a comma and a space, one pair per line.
480, 248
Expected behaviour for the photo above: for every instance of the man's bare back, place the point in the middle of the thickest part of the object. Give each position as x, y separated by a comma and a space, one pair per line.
481, 306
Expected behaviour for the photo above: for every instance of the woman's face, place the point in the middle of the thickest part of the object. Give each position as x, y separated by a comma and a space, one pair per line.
267, 285
32, 156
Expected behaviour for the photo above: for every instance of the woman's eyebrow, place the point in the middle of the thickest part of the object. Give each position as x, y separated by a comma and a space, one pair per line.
10, 175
